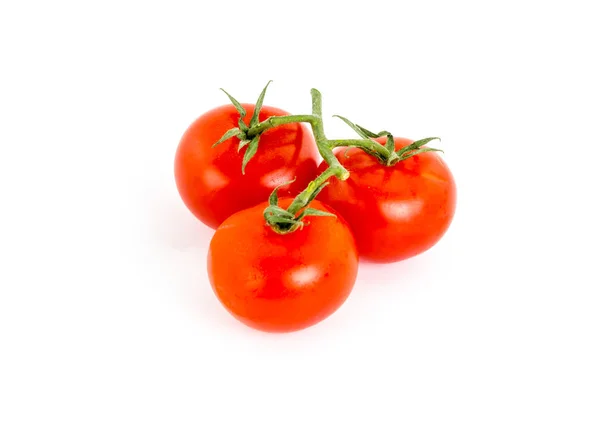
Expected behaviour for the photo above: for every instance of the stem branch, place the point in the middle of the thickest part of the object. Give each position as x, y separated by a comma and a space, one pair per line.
275, 121
285, 221
304, 197
368, 144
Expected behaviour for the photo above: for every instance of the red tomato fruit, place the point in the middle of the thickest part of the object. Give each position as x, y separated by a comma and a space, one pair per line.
210, 180
395, 212
282, 282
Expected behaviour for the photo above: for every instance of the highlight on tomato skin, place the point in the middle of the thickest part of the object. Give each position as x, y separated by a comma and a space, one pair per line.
282, 282
210, 180
395, 212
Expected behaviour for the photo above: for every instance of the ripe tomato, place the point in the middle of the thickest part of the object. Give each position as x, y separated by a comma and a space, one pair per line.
282, 282
210, 180
395, 212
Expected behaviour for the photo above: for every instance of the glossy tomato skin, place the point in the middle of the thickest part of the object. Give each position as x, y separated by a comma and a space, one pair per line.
282, 282
395, 212
210, 180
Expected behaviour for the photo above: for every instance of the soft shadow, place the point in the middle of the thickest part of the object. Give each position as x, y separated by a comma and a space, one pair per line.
378, 273
173, 225
180, 244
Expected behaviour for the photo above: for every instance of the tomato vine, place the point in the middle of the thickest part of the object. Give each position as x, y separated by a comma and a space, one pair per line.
288, 220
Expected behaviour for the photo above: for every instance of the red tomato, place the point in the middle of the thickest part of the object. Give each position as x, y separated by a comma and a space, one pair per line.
282, 282
210, 180
394, 212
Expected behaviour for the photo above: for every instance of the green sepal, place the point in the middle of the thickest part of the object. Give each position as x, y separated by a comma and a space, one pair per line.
354, 127
229, 134
243, 143
368, 133
259, 103
236, 103
281, 220
415, 148
419, 151
419, 143
274, 199
313, 211
240, 110
250, 152
364, 133
390, 145
275, 210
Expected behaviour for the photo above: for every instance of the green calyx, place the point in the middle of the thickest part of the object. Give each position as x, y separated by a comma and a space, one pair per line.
387, 154
242, 132
288, 220
416, 148
284, 221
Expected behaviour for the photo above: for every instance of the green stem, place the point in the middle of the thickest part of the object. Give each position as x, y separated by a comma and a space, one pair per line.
275, 121
286, 221
334, 169
323, 145
317, 112
304, 197
321, 139
367, 144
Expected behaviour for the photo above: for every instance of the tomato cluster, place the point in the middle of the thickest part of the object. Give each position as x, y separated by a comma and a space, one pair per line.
285, 264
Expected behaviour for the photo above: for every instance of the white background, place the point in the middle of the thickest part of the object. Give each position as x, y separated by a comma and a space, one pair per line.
105, 310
